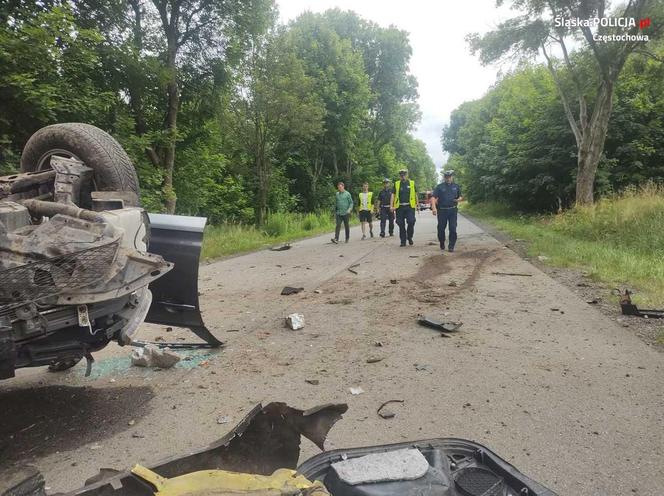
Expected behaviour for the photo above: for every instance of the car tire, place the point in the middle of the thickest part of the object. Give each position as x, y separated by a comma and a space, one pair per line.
113, 169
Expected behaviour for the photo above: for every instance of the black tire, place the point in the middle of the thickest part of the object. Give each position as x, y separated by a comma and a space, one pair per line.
113, 170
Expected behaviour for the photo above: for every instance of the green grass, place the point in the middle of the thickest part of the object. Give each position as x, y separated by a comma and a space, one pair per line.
229, 239
619, 240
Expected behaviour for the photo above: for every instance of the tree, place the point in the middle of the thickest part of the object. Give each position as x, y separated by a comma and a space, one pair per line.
342, 85
275, 101
513, 145
46, 59
542, 26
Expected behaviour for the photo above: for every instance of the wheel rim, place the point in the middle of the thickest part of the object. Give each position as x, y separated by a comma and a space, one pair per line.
44, 161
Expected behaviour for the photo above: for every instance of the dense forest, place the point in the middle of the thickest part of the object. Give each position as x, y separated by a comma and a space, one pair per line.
514, 145
579, 124
225, 112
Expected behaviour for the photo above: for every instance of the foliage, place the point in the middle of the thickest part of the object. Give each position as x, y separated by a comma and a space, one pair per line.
225, 113
585, 79
513, 145
44, 58
227, 239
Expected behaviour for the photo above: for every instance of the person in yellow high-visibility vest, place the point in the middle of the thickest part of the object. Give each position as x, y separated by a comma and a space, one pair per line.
404, 202
365, 208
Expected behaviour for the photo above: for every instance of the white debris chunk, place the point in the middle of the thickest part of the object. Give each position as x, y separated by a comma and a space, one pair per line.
152, 356
295, 321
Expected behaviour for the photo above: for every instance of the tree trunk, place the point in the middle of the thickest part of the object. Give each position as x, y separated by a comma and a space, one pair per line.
592, 145
263, 191
170, 197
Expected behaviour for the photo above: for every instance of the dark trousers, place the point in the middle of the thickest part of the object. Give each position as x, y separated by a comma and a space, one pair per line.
340, 219
386, 215
406, 215
445, 216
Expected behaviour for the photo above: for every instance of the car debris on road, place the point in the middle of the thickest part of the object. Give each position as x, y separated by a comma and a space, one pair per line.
289, 290
153, 357
629, 308
295, 321
387, 413
438, 325
259, 456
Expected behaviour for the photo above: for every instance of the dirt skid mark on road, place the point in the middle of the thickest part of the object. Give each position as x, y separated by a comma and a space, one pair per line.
462, 270
40, 421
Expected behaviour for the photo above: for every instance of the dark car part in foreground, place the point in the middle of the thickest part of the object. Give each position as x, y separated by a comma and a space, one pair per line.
267, 441
77, 266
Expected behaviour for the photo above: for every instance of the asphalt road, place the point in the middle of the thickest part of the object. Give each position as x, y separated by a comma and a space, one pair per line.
566, 394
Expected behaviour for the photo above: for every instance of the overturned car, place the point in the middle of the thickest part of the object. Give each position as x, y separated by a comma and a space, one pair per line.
81, 263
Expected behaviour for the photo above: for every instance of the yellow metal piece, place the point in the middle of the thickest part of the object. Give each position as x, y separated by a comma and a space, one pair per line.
283, 482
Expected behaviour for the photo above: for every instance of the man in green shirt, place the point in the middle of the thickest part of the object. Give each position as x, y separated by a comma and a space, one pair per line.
344, 206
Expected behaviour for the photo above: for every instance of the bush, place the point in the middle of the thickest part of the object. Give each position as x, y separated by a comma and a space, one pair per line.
310, 222
228, 238
278, 224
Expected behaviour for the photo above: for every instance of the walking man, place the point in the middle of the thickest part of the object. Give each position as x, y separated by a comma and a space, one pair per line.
385, 209
344, 206
404, 202
444, 203
365, 208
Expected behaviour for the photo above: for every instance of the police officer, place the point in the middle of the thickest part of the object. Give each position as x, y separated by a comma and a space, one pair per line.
444, 202
384, 207
404, 202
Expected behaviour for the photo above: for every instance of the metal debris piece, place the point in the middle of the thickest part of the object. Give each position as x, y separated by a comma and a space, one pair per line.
422, 367
356, 390
511, 274
224, 419
285, 247
288, 290
267, 439
387, 414
438, 325
295, 321
313, 382
629, 308
152, 356
352, 271
375, 359
176, 346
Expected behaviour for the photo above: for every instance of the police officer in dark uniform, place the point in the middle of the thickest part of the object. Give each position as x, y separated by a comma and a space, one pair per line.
404, 202
384, 207
444, 203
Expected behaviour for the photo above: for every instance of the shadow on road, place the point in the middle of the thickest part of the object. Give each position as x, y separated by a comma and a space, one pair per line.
40, 421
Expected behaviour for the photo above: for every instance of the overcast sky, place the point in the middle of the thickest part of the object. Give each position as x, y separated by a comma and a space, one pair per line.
447, 73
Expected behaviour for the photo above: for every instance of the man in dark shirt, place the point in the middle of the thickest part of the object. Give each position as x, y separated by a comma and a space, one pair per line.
444, 202
383, 204
404, 201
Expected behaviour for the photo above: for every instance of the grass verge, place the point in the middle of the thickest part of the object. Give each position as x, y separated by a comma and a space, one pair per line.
619, 240
230, 239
